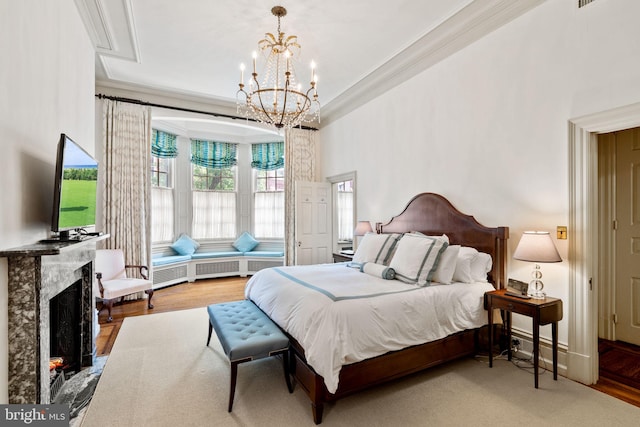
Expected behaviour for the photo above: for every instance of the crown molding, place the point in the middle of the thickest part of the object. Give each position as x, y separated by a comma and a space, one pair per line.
470, 24
111, 27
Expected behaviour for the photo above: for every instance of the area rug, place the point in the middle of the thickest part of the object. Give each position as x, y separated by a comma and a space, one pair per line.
161, 373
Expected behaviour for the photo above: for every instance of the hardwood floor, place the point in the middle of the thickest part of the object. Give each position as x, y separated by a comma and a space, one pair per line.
179, 297
619, 370
205, 292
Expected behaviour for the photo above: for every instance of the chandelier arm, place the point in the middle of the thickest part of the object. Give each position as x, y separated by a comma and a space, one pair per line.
258, 92
284, 102
262, 109
307, 98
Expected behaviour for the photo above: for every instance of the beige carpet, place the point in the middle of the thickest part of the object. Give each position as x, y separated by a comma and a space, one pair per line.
160, 373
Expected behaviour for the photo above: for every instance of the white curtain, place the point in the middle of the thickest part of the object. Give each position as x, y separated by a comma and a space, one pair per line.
162, 215
214, 215
126, 185
269, 214
299, 155
344, 207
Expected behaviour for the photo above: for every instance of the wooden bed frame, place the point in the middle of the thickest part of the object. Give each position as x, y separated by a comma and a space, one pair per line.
431, 214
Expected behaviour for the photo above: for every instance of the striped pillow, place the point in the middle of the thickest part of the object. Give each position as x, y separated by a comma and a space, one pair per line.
376, 248
417, 257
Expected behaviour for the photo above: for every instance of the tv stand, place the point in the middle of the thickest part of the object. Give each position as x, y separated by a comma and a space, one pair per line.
64, 235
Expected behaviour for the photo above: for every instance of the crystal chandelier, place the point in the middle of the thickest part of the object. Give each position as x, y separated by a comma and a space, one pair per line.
277, 98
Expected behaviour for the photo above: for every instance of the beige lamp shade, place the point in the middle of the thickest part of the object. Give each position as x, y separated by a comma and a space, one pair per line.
362, 228
537, 246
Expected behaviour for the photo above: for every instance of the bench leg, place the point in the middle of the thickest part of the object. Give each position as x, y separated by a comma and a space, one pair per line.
210, 331
232, 391
287, 377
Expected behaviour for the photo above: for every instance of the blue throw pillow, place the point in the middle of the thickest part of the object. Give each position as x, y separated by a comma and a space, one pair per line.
245, 243
185, 245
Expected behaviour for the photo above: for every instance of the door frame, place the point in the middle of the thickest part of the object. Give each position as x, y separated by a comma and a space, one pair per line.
584, 247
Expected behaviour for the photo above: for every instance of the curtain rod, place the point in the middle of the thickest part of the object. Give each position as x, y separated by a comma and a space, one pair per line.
188, 110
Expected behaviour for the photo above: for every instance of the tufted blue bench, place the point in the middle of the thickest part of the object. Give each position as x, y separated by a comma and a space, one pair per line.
246, 334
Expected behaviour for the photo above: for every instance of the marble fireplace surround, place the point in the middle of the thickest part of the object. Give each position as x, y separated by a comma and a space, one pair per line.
37, 273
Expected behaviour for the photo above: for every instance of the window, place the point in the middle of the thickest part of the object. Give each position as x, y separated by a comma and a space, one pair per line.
161, 172
163, 152
270, 180
268, 210
213, 179
344, 210
268, 189
213, 186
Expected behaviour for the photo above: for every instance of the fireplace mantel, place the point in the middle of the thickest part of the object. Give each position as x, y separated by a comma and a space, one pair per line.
37, 273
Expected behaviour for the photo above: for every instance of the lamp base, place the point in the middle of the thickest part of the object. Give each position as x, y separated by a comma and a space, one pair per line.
536, 285
538, 295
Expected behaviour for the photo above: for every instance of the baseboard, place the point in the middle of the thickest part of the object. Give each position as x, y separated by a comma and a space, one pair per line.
546, 351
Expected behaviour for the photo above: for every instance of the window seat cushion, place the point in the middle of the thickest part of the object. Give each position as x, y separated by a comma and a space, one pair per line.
265, 254
169, 259
215, 254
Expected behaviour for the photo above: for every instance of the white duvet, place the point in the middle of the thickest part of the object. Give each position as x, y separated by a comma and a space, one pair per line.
341, 316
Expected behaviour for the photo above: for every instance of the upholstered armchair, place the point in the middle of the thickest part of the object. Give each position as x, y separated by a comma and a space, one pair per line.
111, 272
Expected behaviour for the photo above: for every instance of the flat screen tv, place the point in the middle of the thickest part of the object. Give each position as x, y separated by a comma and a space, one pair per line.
75, 189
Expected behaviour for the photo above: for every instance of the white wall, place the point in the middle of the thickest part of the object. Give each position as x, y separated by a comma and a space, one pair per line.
487, 127
47, 80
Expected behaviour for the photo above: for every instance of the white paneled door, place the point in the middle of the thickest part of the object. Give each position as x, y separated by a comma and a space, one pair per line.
313, 230
628, 236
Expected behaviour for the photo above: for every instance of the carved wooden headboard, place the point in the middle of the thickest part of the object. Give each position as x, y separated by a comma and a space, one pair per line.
432, 214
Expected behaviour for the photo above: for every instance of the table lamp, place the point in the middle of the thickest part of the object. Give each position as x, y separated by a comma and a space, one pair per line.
362, 228
536, 246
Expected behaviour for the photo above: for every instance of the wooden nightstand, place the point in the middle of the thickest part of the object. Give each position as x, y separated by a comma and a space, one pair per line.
337, 257
542, 311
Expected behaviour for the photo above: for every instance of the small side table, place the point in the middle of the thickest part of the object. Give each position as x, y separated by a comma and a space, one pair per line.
338, 257
542, 311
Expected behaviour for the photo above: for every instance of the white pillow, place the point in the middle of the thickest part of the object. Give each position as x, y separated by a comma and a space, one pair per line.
444, 236
376, 248
463, 265
480, 266
416, 258
447, 265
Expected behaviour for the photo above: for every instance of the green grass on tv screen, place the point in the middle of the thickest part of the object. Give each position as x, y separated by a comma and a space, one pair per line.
77, 203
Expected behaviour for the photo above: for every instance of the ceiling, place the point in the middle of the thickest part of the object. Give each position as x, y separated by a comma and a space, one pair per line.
193, 49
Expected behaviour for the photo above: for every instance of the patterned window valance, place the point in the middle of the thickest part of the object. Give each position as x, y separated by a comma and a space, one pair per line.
215, 155
268, 156
163, 145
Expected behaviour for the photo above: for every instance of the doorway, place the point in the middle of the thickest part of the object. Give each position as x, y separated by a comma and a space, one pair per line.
619, 222
584, 248
619, 264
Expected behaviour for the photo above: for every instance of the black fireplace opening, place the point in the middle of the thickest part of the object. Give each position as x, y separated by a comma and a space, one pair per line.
65, 323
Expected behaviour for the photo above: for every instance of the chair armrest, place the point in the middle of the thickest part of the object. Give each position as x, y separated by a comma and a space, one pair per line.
144, 270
